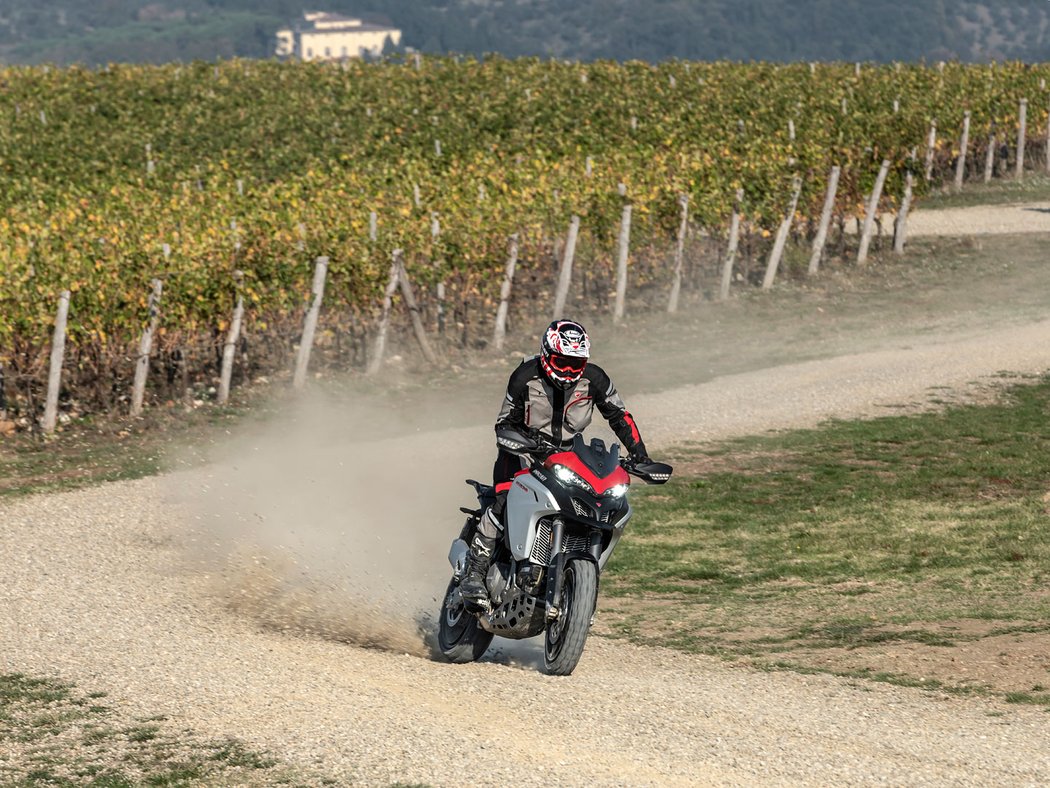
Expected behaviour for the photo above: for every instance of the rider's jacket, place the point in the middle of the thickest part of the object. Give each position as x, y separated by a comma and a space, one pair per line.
532, 401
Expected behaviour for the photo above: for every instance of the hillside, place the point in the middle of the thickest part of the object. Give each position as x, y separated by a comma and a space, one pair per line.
83, 31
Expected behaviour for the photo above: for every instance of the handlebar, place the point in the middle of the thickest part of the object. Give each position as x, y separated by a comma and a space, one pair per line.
532, 443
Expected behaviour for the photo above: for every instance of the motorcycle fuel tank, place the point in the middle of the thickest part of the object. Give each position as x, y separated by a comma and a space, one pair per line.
527, 501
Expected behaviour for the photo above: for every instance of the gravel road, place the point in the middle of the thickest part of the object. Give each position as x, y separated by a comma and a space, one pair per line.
99, 588
982, 220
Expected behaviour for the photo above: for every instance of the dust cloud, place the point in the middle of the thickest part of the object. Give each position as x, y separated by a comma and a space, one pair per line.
304, 527
335, 520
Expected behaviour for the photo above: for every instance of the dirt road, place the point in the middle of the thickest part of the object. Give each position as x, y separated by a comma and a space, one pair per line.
223, 599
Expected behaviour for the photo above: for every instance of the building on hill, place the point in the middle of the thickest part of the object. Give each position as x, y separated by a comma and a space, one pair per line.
323, 36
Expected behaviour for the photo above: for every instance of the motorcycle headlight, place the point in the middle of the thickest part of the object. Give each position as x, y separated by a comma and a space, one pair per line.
570, 477
619, 491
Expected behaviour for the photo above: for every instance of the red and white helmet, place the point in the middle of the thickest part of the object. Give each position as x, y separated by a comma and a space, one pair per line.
564, 351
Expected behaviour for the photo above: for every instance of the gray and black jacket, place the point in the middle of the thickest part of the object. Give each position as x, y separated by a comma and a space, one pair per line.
532, 402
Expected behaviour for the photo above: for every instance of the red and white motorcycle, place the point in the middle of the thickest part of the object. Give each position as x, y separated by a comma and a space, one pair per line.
564, 517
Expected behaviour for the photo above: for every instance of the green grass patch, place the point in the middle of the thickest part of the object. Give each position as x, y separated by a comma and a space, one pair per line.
54, 735
1000, 191
886, 534
92, 450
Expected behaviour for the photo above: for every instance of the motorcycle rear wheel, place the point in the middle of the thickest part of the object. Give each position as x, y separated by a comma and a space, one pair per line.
459, 636
566, 636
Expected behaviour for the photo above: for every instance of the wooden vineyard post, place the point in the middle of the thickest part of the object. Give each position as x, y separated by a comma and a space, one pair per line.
623, 250
869, 216
734, 244
306, 344
58, 351
373, 226
500, 332
900, 227
989, 159
138, 389
565, 274
825, 220
679, 254
931, 146
782, 236
229, 347
960, 164
1022, 132
413, 310
384, 319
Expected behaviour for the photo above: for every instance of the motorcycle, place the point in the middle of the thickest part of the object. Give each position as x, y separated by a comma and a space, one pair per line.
564, 516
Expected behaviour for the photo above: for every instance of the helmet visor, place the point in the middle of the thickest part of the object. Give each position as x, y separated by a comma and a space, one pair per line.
570, 366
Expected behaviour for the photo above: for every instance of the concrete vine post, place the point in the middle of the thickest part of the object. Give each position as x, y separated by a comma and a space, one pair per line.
989, 159
679, 254
1022, 132
734, 245
306, 344
960, 164
825, 220
900, 227
782, 236
138, 388
869, 216
384, 319
565, 274
413, 310
500, 332
435, 235
58, 351
623, 250
1048, 145
229, 347
931, 147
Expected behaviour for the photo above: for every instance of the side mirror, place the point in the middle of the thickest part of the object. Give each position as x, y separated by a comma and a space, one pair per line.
652, 472
515, 442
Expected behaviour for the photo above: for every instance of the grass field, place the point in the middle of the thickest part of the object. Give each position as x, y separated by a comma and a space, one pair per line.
881, 548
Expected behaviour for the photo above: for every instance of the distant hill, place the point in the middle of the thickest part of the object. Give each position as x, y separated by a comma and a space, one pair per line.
94, 32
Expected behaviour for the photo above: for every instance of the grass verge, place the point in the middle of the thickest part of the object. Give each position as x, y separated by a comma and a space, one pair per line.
53, 734
913, 549
1000, 191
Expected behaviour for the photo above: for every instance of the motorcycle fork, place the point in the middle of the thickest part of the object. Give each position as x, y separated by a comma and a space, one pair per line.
554, 579
557, 575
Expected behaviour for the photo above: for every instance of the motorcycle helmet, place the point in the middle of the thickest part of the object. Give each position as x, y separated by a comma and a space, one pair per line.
564, 351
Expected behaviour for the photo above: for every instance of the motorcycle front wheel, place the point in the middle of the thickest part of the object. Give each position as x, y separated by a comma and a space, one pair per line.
459, 636
567, 634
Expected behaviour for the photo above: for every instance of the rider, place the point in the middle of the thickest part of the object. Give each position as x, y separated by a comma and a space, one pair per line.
555, 394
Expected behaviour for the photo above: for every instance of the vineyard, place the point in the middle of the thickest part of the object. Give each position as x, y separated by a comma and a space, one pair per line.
228, 180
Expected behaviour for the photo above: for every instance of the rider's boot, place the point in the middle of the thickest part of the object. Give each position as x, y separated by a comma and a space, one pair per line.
479, 556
